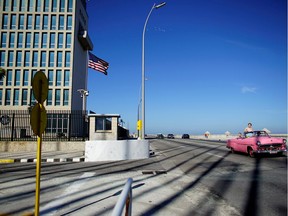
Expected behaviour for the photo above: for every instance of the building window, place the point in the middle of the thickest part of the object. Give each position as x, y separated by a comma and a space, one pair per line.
46, 6
60, 40
52, 40
70, 6
22, 5
59, 59
21, 21
25, 78
3, 39
50, 77
53, 22
28, 40
5, 21
1, 95
24, 97
61, 22
29, 21
38, 5
6, 5
54, 5
20, 40
68, 40
49, 98
45, 22
13, 21
43, 59
36, 40
10, 58
17, 77
30, 5
27, 59
2, 58
14, 5
66, 78
51, 59
12, 40
18, 58
103, 123
35, 59
37, 22
58, 77
66, 97
69, 22
16, 97
32, 98
44, 40
67, 59
9, 78
62, 5
8, 97
57, 97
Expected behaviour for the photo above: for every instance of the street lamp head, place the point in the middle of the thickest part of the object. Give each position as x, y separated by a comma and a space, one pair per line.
160, 5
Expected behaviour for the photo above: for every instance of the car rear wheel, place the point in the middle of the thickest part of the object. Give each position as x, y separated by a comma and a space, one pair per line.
251, 153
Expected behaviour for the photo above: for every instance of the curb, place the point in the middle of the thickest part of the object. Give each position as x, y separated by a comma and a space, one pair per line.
48, 160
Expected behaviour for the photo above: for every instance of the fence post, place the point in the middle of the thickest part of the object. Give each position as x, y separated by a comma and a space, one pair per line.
69, 125
12, 129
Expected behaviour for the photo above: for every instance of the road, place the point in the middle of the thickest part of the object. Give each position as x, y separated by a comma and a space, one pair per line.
184, 177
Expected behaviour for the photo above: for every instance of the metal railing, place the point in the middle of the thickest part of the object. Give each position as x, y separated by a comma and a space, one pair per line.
125, 199
63, 125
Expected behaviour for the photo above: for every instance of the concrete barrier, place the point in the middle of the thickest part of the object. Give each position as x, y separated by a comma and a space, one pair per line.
27, 146
107, 150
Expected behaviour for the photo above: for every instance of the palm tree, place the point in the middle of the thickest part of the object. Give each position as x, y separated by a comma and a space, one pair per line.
2, 73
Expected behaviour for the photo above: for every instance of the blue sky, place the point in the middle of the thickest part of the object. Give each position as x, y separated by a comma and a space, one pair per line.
210, 64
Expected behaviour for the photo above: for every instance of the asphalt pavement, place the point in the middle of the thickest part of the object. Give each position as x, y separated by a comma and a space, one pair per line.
155, 191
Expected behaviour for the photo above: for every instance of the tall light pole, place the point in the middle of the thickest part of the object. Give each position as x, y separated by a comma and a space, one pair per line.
143, 67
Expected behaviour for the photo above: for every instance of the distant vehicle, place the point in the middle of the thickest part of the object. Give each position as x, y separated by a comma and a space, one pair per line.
160, 136
185, 136
257, 142
170, 136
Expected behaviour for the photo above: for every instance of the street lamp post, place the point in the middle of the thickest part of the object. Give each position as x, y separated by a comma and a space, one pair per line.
143, 67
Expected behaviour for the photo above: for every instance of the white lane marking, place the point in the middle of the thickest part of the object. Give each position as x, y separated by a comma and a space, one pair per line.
215, 155
59, 200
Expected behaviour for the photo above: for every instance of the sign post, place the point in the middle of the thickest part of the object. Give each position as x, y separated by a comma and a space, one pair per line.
38, 121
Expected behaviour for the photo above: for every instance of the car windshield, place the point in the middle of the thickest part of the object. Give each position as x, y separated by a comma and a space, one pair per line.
260, 133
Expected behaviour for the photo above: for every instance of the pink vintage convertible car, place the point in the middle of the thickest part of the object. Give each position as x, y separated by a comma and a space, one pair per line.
257, 142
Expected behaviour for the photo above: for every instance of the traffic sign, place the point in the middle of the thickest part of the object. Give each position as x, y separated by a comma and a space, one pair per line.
40, 87
38, 119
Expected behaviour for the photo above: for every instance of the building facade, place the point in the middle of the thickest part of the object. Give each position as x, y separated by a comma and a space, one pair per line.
46, 35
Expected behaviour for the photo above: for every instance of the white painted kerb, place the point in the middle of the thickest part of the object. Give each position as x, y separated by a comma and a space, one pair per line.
107, 150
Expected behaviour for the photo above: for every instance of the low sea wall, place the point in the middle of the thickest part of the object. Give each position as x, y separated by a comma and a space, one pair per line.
28, 146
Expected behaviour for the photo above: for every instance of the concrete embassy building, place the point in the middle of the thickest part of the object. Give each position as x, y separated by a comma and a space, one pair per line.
46, 35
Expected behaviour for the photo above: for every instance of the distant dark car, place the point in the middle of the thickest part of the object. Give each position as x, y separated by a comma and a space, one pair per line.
170, 136
185, 136
160, 136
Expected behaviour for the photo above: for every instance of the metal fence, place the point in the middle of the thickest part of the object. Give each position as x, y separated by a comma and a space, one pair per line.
61, 125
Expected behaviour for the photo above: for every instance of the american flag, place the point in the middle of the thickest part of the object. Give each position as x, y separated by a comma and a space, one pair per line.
97, 64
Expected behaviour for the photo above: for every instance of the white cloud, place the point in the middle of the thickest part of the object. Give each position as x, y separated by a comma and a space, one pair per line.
246, 89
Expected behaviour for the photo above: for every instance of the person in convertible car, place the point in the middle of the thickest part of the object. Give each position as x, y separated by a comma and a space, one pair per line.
248, 130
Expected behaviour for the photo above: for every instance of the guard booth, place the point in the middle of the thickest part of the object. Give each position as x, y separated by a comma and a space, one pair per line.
103, 126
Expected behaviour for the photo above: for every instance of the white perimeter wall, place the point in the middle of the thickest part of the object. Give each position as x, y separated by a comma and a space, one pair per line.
107, 150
